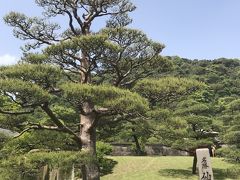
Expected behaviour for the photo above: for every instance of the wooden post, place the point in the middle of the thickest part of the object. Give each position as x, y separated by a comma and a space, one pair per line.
54, 174
73, 174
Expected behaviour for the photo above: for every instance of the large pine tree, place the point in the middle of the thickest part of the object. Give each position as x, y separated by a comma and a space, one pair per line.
87, 71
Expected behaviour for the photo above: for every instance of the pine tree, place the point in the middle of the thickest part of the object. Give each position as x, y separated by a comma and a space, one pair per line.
87, 71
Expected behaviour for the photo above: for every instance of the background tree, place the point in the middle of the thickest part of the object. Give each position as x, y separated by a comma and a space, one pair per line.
230, 128
163, 95
221, 77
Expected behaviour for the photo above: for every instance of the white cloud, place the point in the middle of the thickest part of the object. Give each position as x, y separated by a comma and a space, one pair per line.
8, 59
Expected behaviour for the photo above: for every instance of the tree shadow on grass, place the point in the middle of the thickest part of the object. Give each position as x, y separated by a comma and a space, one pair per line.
219, 174
176, 173
222, 174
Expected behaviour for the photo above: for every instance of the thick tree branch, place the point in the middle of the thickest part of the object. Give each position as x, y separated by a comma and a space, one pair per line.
24, 131
104, 111
59, 124
38, 127
71, 22
16, 113
76, 16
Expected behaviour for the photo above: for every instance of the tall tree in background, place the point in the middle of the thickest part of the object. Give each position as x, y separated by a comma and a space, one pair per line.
79, 68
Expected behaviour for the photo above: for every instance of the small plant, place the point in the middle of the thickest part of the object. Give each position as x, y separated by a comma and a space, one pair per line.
105, 164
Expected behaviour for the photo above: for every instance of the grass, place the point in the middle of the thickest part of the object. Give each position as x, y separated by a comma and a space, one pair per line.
166, 168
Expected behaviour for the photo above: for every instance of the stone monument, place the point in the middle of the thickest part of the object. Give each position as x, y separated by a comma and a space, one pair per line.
204, 164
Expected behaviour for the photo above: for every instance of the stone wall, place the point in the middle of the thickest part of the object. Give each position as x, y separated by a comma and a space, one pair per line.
150, 149
160, 150
122, 150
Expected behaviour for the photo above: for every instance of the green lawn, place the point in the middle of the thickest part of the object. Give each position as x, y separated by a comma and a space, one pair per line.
165, 168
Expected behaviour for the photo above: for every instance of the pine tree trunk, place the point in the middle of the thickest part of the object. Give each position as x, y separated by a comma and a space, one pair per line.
88, 138
88, 120
194, 167
139, 150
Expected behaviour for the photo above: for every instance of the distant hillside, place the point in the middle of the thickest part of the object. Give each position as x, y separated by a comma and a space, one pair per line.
222, 75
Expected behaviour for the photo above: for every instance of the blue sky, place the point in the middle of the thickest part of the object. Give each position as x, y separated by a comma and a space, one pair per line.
195, 29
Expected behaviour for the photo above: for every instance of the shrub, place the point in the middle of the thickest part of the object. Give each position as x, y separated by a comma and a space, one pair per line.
106, 165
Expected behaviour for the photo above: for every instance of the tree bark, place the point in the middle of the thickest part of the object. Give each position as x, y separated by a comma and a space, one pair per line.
88, 137
88, 119
139, 150
194, 167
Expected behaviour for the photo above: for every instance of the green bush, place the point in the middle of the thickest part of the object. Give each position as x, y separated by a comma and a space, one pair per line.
27, 166
103, 149
105, 164
230, 153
